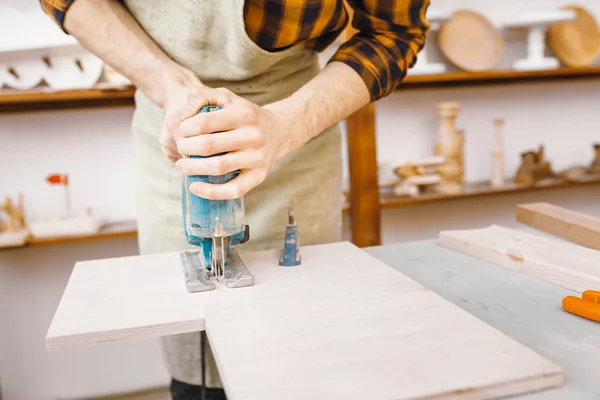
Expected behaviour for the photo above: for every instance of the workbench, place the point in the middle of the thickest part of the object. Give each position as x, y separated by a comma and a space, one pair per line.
347, 325
526, 309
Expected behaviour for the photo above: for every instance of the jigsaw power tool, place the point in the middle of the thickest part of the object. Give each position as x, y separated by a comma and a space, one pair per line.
214, 226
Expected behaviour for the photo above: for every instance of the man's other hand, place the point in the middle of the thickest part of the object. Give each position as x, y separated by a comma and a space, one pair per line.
181, 103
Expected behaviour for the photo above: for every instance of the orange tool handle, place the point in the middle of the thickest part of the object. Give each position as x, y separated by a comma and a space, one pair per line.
588, 306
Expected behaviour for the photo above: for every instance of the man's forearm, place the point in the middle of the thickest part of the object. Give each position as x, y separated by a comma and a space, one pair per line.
331, 96
108, 30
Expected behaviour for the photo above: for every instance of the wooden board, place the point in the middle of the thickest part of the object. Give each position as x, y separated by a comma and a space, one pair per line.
125, 298
520, 306
576, 227
345, 325
341, 325
557, 262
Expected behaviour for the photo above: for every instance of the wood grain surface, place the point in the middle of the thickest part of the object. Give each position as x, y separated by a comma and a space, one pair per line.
470, 41
561, 263
365, 211
575, 43
571, 225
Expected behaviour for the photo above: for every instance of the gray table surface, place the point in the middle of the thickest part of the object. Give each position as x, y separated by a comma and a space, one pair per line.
524, 308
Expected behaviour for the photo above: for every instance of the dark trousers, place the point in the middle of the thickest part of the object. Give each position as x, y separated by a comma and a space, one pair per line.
184, 391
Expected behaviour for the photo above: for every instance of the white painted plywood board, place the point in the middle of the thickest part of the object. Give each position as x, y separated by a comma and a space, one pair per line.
345, 325
125, 298
341, 325
554, 261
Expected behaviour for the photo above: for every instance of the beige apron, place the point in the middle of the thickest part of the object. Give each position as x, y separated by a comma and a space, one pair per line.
209, 38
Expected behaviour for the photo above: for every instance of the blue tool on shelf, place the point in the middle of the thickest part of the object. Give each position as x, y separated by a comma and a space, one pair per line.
214, 226
291, 246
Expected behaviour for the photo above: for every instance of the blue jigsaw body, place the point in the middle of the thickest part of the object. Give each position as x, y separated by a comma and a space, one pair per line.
200, 215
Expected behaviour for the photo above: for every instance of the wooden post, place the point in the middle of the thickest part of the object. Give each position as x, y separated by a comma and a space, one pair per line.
364, 190
365, 216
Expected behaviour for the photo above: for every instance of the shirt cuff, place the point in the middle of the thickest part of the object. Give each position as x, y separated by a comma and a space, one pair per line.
57, 10
381, 70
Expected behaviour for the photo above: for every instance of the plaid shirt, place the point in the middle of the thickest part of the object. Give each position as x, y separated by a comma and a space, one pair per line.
390, 32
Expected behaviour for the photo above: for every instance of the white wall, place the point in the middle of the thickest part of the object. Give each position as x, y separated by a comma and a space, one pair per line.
94, 148
31, 285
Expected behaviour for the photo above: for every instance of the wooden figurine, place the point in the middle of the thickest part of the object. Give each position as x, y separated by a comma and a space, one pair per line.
416, 176
595, 167
416, 185
422, 166
14, 231
534, 168
449, 144
498, 156
575, 174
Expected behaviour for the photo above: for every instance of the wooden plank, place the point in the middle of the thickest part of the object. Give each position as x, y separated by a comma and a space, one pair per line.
346, 326
37, 100
341, 325
125, 298
574, 226
365, 214
557, 262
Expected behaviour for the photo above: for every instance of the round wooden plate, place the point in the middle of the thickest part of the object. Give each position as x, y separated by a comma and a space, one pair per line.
575, 43
470, 41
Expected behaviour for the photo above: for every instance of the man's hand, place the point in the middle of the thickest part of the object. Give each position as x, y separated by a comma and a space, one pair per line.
252, 137
182, 102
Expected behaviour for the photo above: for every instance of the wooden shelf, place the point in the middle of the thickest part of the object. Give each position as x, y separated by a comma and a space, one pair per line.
17, 101
479, 189
128, 228
452, 79
476, 189
113, 230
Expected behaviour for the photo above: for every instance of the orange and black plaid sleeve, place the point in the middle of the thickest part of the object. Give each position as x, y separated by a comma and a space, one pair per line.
56, 9
391, 33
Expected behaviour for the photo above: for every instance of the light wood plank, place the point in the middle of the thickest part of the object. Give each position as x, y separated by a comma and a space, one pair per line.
574, 226
346, 326
125, 298
561, 263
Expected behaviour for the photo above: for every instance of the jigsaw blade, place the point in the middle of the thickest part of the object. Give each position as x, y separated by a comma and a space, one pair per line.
198, 277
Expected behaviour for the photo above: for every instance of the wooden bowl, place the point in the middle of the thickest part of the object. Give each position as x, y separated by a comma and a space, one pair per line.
470, 41
575, 43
